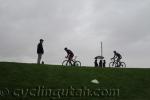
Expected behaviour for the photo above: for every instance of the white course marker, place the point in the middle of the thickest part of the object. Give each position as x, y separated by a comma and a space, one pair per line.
95, 81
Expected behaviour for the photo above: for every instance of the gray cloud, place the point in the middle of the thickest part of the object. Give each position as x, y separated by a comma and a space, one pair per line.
78, 24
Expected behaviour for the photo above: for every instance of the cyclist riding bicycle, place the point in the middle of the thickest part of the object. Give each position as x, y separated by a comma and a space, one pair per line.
69, 54
117, 57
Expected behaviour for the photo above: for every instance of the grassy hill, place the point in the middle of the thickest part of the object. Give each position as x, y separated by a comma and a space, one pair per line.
53, 82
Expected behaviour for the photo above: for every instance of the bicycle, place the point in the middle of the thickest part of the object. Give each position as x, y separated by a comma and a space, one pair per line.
114, 63
73, 62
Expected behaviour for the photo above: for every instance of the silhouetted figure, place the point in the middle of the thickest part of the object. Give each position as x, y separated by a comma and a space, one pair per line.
70, 54
117, 57
40, 51
104, 63
42, 62
95, 63
100, 63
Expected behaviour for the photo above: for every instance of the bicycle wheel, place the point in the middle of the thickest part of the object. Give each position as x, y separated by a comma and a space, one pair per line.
123, 65
77, 63
67, 63
112, 64
64, 62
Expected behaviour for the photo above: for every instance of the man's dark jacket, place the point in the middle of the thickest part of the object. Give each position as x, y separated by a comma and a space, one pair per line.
40, 49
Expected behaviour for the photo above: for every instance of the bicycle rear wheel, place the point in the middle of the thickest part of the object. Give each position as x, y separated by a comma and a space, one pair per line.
77, 63
123, 65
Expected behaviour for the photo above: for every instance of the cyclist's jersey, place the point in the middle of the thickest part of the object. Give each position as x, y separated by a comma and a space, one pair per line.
69, 52
118, 55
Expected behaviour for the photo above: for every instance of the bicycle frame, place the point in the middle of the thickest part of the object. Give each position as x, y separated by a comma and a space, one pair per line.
72, 62
75, 57
115, 62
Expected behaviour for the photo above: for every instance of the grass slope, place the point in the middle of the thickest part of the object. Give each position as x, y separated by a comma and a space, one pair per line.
133, 84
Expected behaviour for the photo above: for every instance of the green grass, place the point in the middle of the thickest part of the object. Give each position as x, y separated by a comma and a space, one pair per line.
133, 83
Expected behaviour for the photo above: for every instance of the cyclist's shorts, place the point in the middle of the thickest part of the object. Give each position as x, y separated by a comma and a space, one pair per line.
70, 57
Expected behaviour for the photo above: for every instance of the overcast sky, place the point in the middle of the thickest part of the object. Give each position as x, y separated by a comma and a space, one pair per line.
80, 25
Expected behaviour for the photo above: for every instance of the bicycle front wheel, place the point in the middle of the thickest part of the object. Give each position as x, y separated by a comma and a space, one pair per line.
64, 62
67, 63
77, 63
112, 64
123, 65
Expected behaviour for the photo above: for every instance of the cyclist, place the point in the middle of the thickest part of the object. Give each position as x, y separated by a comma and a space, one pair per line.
69, 54
117, 57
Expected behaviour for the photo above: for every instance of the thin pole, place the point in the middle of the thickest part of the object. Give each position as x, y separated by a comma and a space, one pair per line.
101, 49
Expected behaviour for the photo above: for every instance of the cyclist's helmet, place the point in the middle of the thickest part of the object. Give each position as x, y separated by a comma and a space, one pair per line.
114, 51
65, 48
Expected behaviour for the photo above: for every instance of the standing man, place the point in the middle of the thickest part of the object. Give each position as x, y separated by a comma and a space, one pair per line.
40, 51
101, 63
95, 62
104, 63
